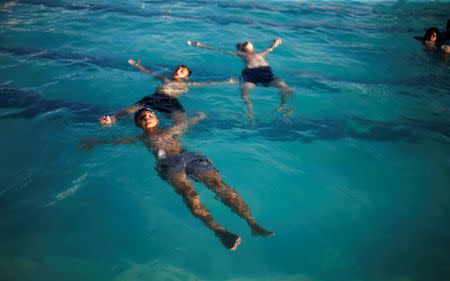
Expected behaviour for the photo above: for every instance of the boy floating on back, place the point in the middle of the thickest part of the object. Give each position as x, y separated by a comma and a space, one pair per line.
165, 97
256, 71
176, 165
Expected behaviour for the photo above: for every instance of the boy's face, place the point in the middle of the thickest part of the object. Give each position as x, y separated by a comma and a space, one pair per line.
181, 73
147, 120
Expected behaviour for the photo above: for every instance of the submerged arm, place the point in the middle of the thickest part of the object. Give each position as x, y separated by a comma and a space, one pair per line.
181, 128
200, 45
88, 144
275, 44
229, 81
138, 65
111, 119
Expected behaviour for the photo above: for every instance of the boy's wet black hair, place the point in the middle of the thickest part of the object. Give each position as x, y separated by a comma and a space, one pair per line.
239, 46
138, 112
189, 70
429, 32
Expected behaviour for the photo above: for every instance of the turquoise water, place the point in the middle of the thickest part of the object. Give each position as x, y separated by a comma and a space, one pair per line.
355, 184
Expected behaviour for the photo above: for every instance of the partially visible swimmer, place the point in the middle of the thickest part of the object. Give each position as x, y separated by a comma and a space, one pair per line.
256, 71
176, 165
431, 38
165, 97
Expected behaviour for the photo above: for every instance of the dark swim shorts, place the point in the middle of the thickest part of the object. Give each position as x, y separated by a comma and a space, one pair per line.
162, 103
193, 164
259, 75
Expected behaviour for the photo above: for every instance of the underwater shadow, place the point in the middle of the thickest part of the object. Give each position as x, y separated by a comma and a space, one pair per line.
30, 104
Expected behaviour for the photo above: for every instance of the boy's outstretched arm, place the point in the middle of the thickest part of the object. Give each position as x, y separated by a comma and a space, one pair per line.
111, 119
138, 65
200, 45
275, 44
88, 144
182, 128
229, 81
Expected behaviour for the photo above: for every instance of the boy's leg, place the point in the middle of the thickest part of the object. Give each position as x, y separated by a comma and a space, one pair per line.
212, 179
185, 188
246, 87
285, 91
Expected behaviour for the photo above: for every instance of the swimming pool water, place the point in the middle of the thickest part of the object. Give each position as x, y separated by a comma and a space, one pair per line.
355, 183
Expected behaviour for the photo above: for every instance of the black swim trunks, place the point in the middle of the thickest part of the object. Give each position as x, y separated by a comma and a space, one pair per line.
193, 164
262, 75
162, 103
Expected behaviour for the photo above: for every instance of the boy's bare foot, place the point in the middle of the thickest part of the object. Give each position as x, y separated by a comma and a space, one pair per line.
281, 108
230, 240
258, 230
251, 119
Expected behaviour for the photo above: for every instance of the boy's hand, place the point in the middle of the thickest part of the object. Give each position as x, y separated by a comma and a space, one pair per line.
194, 43
107, 120
200, 115
445, 49
233, 80
277, 42
133, 62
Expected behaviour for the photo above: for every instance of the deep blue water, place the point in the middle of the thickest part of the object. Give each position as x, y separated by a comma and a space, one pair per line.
355, 183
